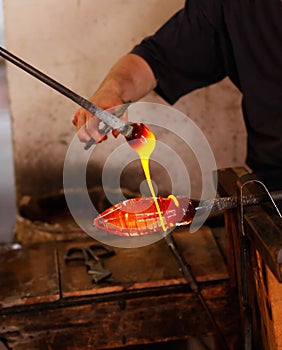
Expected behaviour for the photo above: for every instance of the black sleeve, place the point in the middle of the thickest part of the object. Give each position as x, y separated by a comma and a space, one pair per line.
184, 53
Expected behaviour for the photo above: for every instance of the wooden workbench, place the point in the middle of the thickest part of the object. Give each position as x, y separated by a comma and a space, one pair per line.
255, 264
47, 303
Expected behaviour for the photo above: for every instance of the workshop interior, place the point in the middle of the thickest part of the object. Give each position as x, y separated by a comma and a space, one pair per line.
94, 252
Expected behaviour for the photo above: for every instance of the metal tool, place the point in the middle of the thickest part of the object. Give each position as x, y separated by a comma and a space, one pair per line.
107, 118
217, 205
224, 203
191, 279
104, 128
91, 256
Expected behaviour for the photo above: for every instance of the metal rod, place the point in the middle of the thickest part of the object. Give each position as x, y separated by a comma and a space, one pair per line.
106, 117
224, 203
217, 205
188, 274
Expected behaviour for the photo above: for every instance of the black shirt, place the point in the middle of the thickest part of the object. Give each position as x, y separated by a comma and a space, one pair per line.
242, 39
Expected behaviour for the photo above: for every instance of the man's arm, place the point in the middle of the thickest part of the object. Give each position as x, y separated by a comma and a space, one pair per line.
130, 79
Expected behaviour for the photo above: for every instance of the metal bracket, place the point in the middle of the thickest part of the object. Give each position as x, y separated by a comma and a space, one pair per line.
245, 180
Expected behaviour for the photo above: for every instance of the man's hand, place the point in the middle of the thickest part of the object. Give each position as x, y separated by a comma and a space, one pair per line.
87, 124
130, 79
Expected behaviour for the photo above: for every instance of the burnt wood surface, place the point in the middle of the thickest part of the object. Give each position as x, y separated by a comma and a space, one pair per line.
28, 276
264, 229
48, 303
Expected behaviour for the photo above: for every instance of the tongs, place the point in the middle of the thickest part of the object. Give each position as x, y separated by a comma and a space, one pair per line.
111, 121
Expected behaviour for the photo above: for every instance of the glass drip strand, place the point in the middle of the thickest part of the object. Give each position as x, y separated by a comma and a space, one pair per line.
143, 142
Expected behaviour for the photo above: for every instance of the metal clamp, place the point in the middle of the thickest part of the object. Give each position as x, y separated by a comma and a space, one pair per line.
104, 128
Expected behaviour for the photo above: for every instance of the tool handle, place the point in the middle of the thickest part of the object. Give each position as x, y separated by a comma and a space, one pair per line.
224, 203
44, 78
100, 113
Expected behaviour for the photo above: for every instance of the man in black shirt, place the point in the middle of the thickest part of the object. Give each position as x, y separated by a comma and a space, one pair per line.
200, 45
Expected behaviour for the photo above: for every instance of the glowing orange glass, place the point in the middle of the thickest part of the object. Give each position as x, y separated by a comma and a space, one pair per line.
138, 216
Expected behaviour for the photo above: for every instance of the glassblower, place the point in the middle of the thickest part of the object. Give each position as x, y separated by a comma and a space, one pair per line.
140, 216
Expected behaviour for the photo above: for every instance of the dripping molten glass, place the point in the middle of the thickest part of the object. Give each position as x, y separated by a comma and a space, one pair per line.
143, 142
142, 216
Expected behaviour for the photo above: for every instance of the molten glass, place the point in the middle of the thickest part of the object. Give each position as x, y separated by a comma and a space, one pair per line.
139, 216
143, 142
142, 216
